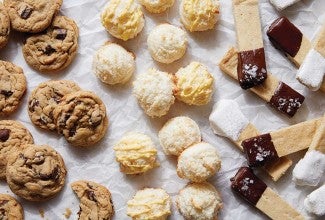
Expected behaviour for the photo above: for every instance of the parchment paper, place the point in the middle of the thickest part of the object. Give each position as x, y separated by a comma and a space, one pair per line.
98, 163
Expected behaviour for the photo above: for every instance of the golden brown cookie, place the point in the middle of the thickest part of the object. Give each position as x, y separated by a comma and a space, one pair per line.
12, 87
36, 173
95, 200
10, 208
54, 49
32, 16
4, 26
45, 98
13, 137
81, 118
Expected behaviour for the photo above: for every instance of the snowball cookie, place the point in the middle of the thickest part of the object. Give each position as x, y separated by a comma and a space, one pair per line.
194, 84
199, 15
167, 43
149, 204
157, 6
113, 64
154, 91
198, 162
199, 201
136, 153
178, 134
123, 19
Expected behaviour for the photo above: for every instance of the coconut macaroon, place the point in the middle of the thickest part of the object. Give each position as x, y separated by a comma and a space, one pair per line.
150, 204
136, 153
199, 201
199, 15
178, 134
167, 43
194, 84
123, 19
198, 162
154, 92
112, 64
157, 6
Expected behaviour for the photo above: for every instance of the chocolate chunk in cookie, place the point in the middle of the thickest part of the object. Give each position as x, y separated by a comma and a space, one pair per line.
95, 200
36, 173
12, 87
32, 16
45, 98
4, 26
54, 49
10, 208
81, 118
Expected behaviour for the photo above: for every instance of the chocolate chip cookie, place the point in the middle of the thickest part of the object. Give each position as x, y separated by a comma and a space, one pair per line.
44, 99
54, 49
13, 137
95, 200
32, 16
4, 26
81, 118
10, 208
36, 173
12, 87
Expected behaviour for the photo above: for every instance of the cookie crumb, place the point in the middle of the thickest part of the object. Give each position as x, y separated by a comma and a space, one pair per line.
67, 213
41, 212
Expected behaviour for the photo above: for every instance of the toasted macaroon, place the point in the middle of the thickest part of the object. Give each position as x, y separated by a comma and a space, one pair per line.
199, 201
112, 64
150, 204
167, 43
123, 19
199, 15
198, 162
157, 6
194, 84
178, 134
136, 153
154, 92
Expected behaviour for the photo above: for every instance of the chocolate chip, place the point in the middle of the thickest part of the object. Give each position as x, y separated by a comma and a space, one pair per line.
72, 131
26, 12
60, 33
32, 104
3, 202
4, 134
49, 50
91, 195
54, 175
6, 93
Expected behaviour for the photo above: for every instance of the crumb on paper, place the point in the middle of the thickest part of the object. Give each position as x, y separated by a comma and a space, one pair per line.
41, 212
67, 213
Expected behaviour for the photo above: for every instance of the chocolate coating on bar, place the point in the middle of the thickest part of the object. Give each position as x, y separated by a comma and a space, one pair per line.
286, 99
285, 36
251, 68
259, 150
247, 185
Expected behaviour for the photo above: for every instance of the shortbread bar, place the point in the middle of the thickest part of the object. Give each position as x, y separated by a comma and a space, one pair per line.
251, 69
258, 194
278, 94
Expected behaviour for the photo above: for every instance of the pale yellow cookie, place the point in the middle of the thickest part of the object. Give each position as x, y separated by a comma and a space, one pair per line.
157, 6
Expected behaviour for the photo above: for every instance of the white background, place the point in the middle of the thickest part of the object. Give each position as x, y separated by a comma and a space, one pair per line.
98, 163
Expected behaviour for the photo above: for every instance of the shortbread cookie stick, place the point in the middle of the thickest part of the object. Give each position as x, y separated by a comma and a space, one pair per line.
289, 39
258, 194
310, 169
276, 93
282, 4
311, 72
251, 69
227, 120
267, 147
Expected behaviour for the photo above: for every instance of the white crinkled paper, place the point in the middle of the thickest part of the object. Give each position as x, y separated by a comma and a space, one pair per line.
98, 163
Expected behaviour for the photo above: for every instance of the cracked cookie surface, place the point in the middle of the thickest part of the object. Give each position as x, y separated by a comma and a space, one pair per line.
54, 49
81, 118
45, 98
36, 173
12, 87
13, 136
10, 208
4, 26
32, 16
95, 200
